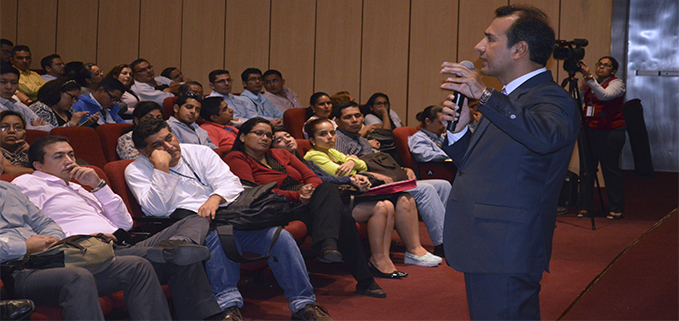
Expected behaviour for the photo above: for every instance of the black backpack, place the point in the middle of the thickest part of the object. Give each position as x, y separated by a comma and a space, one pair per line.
256, 208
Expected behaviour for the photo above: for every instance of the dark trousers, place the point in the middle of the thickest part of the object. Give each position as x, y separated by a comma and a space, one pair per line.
503, 296
606, 150
326, 217
77, 291
191, 292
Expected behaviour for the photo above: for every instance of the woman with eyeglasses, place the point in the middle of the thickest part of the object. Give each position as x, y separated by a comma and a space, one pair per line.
603, 99
13, 143
317, 204
55, 101
378, 113
87, 75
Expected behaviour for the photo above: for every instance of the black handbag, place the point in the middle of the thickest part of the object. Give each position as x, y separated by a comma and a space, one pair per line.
383, 163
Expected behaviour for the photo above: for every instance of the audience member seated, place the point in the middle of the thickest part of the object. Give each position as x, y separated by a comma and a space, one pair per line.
9, 80
13, 143
322, 138
143, 110
377, 213
170, 75
341, 96
183, 123
103, 101
6, 51
53, 67
282, 97
430, 195
317, 204
221, 85
256, 103
176, 252
190, 87
218, 115
129, 99
88, 75
172, 179
30, 81
25, 230
377, 112
55, 102
321, 107
425, 144
145, 85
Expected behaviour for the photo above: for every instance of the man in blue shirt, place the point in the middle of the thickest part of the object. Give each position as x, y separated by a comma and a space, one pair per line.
103, 101
252, 82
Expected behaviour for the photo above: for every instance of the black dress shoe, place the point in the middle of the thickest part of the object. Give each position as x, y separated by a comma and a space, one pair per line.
380, 274
372, 290
330, 255
16, 309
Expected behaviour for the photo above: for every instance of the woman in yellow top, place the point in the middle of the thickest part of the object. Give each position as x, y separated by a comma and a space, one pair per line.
322, 137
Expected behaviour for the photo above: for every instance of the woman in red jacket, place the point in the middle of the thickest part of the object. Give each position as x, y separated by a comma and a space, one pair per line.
317, 204
603, 99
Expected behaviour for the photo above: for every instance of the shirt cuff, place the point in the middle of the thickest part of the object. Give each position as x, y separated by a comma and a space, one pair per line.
105, 194
452, 138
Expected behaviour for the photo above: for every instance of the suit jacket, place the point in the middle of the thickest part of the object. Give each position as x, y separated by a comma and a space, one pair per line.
502, 209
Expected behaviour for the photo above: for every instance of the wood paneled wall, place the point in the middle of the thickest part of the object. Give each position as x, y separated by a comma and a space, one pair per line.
363, 46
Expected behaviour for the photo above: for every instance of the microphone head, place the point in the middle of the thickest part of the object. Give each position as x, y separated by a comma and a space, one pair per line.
467, 64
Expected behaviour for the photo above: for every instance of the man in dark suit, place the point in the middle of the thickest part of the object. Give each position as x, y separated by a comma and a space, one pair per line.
500, 217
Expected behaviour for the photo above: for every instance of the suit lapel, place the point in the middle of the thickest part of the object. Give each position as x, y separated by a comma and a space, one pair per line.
480, 128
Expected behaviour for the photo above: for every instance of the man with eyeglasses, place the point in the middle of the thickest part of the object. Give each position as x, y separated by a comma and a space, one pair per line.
263, 107
104, 101
282, 97
9, 81
145, 84
221, 84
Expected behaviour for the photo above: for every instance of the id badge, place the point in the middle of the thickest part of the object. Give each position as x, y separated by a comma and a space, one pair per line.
590, 111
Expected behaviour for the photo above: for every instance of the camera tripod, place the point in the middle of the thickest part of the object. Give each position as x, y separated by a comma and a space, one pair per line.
584, 147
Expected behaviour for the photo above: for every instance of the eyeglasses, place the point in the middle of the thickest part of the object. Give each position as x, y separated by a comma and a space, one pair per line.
73, 98
113, 98
598, 64
149, 68
223, 81
260, 133
381, 103
255, 79
6, 127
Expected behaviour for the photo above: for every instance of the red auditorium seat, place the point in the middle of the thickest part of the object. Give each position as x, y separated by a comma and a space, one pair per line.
108, 136
33, 134
168, 103
428, 170
293, 120
303, 146
85, 143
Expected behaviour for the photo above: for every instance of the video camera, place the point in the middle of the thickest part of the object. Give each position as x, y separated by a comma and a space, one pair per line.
571, 52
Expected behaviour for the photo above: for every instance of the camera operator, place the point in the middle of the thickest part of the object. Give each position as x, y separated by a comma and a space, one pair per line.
603, 100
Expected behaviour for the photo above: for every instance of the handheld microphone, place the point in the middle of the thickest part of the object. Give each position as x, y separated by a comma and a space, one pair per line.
459, 98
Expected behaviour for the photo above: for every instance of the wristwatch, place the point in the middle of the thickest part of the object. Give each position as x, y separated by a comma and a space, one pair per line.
486, 95
99, 186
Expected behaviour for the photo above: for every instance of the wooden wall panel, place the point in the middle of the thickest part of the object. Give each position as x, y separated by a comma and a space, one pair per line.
589, 19
8, 20
475, 17
433, 40
77, 41
247, 37
384, 66
292, 43
37, 28
203, 39
160, 31
118, 35
338, 47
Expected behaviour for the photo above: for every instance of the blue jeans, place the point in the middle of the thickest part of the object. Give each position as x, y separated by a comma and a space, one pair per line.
431, 196
289, 269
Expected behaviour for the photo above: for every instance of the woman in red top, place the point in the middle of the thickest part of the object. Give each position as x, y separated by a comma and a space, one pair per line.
603, 99
317, 204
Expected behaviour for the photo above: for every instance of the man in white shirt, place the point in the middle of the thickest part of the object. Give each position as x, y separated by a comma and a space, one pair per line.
252, 82
145, 85
175, 252
282, 97
53, 66
171, 178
